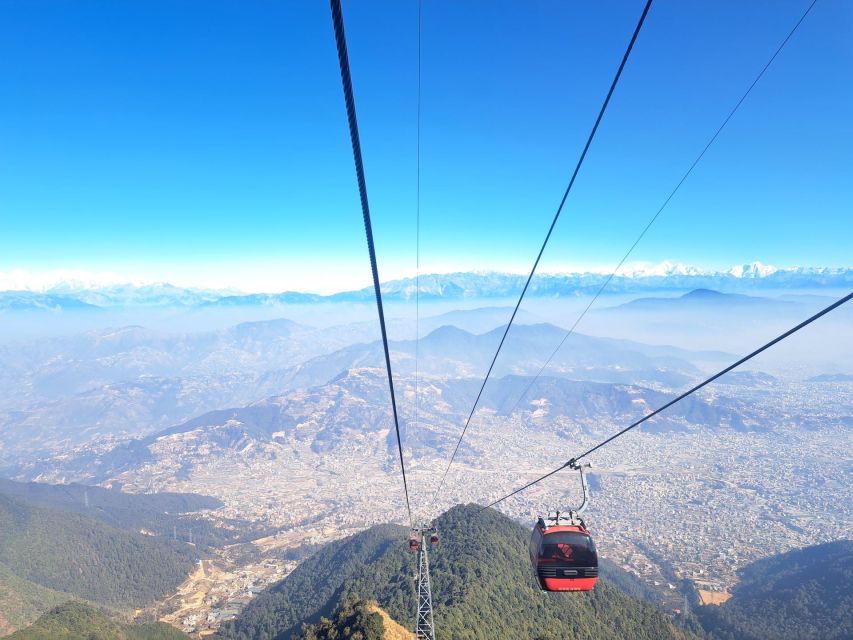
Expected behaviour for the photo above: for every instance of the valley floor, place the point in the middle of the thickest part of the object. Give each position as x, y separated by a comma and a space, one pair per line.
683, 510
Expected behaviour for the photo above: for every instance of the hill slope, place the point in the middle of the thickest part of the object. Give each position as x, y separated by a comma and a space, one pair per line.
78, 621
481, 581
357, 620
158, 513
72, 553
22, 601
451, 351
806, 594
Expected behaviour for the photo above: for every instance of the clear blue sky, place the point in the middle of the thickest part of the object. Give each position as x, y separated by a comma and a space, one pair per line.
207, 140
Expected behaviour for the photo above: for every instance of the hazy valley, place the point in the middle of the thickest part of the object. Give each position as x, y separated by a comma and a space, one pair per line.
285, 426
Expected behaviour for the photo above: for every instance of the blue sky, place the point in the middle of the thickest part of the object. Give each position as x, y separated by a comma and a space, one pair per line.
206, 143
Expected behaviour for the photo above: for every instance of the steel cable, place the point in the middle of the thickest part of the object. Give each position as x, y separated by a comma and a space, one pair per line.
679, 398
346, 80
660, 210
547, 237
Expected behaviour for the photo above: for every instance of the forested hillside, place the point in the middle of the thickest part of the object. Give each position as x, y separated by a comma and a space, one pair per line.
73, 553
78, 621
22, 601
806, 594
112, 506
481, 581
158, 513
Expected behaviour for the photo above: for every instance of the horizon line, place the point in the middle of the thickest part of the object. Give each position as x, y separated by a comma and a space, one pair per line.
70, 281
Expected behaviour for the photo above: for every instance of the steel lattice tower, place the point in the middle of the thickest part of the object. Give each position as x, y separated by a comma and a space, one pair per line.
424, 629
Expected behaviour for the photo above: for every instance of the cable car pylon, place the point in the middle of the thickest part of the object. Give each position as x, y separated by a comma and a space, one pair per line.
420, 540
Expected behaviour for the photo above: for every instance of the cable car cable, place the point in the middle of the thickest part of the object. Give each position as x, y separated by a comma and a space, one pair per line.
346, 81
662, 207
418, 231
547, 237
571, 462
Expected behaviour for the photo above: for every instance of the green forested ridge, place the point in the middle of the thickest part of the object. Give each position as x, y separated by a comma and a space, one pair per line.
79, 621
482, 588
806, 594
22, 601
122, 508
352, 621
159, 513
75, 554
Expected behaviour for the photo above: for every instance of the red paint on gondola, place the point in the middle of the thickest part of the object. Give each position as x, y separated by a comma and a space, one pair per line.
569, 584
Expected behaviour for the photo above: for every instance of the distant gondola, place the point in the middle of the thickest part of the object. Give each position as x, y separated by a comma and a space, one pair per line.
418, 537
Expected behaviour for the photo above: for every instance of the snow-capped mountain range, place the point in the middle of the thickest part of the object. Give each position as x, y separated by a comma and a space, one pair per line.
663, 277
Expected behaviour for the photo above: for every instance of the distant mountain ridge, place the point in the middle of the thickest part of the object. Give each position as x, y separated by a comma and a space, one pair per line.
707, 298
350, 410
61, 392
450, 286
32, 301
832, 377
451, 351
159, 514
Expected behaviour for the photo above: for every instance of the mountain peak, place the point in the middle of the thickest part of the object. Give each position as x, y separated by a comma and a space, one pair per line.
752, 270
703, 294
664, 269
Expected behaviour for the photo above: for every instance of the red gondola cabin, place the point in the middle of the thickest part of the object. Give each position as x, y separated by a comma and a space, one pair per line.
564, 557
434, 539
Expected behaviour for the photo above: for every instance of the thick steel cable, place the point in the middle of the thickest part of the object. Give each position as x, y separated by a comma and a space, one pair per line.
572, 461
662, 207
547, 237
346, 81
418, 233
